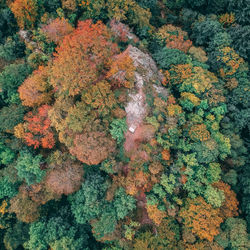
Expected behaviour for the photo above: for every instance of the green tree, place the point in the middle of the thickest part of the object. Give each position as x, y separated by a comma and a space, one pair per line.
12, 49
88, 203
10, 116
10, 79
118, 128
28, 167
7, 188
123, 203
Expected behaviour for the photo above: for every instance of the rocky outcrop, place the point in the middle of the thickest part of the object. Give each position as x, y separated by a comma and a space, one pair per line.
146, 74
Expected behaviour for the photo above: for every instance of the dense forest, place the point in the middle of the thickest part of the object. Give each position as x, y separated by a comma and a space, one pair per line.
124, 124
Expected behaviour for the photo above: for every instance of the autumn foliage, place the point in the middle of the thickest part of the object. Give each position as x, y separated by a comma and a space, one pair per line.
57, 30
65, 179
92, 147
25, 209
230, 205
201, 218
155, 214
36, 129
199, 132
82, 57
174, 37
26, 12
122, 71
36, 90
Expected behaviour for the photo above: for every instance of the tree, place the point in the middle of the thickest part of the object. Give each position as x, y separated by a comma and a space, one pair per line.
92, 147
174, 37
70, 5
65, 177
57, 30
37, 131
11, 78
233, 234
82, 57
88, 203
199, 133
201, 218
8, 24
28, 167
123, 203
7, 188
128, 10
118, 128
7, 121
166, 57
230, 205
36, 90
122, 71
99, 97
12, 49
155, 214
59, 227
214, 196
26, 12
16, 235
205, 30
25, 209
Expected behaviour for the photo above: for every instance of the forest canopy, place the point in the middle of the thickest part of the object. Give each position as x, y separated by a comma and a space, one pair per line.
124, 124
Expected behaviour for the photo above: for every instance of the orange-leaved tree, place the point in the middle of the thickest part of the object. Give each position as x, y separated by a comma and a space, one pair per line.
36, 129
57, 30
201, 218
174, 37
82, 58
25, 12
199, 132
122, 71
230, 205
36, 90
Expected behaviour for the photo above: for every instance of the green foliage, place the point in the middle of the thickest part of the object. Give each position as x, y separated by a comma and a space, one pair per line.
168, 182
166, 57
11, 116
12, 49
28, 167
214, 196
6, 154
241, 9
204, 31
147, 3
230, 177
213, 172
8, 24
109, 166
57, 231
206, 154
50, 5
244, 182
196, 3
234, 235
7, 188
123, 203
88, 203
10, 79
220, 40
15, 236
118, 128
